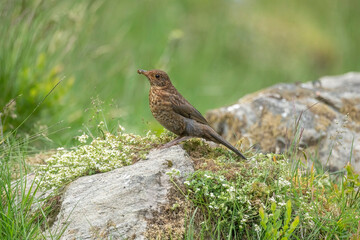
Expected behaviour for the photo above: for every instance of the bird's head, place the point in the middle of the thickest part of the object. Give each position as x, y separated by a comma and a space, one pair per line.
156, 77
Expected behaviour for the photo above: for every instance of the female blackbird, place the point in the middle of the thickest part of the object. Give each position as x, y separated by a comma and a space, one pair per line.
176, 114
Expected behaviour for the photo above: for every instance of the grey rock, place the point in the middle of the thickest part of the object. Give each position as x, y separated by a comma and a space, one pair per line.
117, 204
326, 113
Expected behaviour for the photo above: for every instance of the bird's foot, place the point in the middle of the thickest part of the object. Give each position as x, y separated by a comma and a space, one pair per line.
174, 142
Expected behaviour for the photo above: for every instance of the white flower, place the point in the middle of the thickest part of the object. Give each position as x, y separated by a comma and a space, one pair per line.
283, 182
100, 155
121, 129
82, 138
207, 176
257, 228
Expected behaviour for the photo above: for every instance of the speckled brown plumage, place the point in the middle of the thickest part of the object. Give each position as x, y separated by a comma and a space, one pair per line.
176, 114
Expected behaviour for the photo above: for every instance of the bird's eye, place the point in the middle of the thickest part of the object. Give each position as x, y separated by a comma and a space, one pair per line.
157, 76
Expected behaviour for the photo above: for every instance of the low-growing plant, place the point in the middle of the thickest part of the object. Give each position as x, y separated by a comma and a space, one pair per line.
276, 226
231, 198
231, 195
102, 154
349, 194
23, 213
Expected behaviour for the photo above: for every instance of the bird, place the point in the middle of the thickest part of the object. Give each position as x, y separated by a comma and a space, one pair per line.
176, 114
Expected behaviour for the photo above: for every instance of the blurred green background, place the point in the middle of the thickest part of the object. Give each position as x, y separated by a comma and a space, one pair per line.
214, 51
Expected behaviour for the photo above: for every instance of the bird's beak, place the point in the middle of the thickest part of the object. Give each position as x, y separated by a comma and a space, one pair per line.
143, 72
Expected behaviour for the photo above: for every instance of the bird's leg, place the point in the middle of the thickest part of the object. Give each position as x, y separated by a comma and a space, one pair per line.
175, 141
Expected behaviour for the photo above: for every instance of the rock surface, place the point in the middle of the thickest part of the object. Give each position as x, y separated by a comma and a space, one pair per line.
117, 204
329, 125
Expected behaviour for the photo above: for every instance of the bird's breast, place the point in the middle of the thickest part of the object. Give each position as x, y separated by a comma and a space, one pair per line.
161, 108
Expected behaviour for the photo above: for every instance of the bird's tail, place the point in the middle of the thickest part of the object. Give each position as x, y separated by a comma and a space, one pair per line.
215, 137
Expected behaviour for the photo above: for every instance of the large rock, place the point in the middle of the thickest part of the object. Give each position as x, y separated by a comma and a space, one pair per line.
117, 204
326, 113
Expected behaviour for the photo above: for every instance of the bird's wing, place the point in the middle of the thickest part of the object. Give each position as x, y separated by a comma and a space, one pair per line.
185, 109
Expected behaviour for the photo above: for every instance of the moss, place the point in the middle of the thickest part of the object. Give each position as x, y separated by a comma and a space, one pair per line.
233, 125
199, 149
325, 115
169, 163
267, 130
51, 207
169, 221
351, 107
104, 233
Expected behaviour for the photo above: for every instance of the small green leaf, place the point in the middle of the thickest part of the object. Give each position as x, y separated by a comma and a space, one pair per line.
261, 213
273, 207
264, 221
288, 215
286, 227
294, 224
288, 208
277, 225
276, 215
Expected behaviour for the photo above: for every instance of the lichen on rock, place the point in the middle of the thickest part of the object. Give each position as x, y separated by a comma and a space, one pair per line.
321, 117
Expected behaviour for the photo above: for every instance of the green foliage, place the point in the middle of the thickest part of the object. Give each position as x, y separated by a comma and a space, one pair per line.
23, 214
350, 190
234, 47
231, 196
274, 226
16, 217
30, 60
102, 154
232, 201
227, 196
35, 82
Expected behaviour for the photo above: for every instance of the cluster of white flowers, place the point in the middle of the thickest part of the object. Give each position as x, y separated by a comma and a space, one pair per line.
241, 195
101, 155
221, 194
82, 138
257, 229
283, 183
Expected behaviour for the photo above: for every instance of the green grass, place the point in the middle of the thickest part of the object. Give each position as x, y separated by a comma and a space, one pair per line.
23, 214
270, 197
214, 51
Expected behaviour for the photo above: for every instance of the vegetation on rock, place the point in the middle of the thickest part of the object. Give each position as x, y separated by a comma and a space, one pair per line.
102, 154
270, 196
